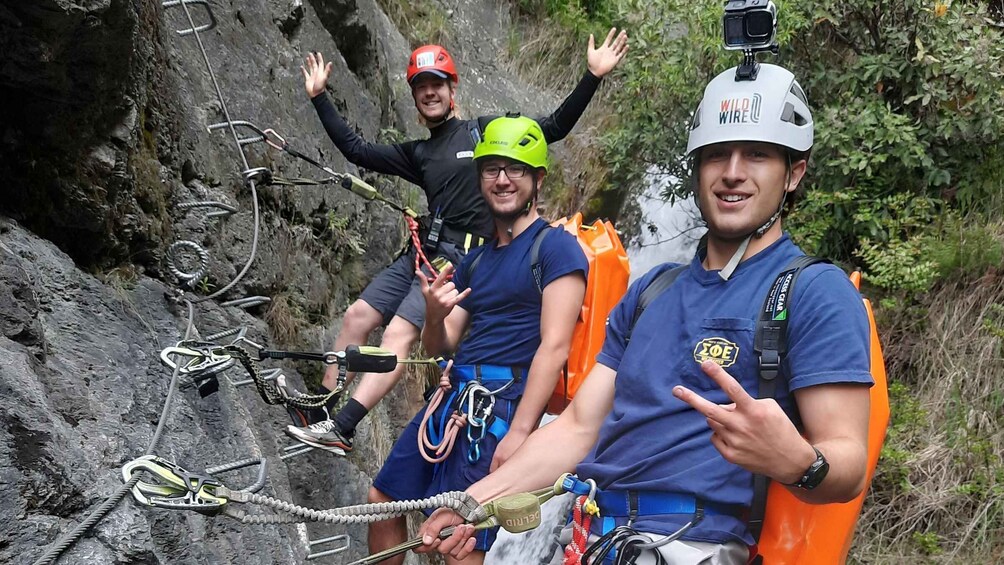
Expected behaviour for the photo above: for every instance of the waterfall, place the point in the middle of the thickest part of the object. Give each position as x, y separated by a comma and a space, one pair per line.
670, 231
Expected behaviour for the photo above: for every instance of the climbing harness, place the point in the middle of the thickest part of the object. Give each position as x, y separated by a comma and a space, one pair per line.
623, 544
470, 408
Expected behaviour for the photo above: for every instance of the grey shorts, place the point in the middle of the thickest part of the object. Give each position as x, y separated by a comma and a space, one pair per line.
396, 292
674, 553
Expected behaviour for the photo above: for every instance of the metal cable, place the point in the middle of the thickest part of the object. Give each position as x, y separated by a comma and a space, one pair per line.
240, 151
112, 501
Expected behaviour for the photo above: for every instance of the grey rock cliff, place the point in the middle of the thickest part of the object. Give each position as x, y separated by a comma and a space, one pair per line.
103, 133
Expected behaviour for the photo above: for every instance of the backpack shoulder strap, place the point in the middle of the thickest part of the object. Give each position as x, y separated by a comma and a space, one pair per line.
535, 268
770, 342
476, 126
469, 272
657, 286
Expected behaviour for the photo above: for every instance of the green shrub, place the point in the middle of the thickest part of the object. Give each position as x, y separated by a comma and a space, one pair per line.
906, 100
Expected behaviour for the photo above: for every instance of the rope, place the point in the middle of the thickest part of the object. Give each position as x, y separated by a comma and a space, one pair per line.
442, 449
458, 501
420, 258
581, 521
450, 431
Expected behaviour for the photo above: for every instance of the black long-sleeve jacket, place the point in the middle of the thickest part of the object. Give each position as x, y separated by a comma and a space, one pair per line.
442, 164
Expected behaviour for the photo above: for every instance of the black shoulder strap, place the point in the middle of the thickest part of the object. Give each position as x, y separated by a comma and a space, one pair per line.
657, 286
477, 126
770, 342
535, 268
474, 264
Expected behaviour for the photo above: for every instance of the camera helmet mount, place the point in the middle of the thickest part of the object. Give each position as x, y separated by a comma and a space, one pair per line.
750, 26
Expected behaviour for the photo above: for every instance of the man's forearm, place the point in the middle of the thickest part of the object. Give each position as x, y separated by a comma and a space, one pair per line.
537, 464
435, 338
543, 375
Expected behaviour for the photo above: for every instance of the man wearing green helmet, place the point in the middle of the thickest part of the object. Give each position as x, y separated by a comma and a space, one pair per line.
441, 165
518, 316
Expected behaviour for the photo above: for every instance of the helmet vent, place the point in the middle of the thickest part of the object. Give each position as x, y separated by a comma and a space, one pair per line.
791, 116
799, 93
696, 121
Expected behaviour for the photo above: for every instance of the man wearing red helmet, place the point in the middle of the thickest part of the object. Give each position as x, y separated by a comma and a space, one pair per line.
443, 167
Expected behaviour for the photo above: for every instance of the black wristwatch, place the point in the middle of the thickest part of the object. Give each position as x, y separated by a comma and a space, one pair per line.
814, 474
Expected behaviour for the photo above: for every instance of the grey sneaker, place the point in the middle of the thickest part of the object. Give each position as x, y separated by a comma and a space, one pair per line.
300, 416
323, 435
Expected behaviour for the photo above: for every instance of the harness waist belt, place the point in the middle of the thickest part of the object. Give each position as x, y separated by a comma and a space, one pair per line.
617, 503
488, 373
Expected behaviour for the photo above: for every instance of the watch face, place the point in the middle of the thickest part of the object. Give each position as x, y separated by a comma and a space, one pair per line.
815, 473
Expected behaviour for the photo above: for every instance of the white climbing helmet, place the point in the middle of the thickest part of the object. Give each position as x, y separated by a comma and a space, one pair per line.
773, 109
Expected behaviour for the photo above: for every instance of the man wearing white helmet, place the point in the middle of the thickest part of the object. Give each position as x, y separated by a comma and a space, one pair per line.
668, 423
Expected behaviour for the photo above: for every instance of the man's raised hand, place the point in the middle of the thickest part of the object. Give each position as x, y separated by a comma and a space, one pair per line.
602, 60
440, 295
753, 433
315, 74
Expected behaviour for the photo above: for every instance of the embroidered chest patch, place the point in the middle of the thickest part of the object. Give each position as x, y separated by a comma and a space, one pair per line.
717, 349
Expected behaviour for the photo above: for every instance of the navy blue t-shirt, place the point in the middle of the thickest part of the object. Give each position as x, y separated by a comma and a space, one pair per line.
505, 302
651, 441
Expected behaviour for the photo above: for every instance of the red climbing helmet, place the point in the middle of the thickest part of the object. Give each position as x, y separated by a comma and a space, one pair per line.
431, 59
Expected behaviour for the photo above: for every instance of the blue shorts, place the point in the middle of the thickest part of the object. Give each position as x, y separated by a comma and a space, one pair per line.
396, 291
406, 475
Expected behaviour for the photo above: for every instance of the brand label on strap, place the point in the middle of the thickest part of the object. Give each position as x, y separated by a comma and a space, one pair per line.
776, 305
465, 154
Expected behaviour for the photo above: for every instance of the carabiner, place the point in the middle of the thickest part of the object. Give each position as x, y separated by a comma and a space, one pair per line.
272, 133
177, 488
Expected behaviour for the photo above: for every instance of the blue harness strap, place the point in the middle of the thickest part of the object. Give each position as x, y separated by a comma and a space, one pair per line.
495, 378
615, 504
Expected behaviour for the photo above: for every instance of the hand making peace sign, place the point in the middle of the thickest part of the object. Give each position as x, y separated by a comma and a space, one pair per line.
753, 433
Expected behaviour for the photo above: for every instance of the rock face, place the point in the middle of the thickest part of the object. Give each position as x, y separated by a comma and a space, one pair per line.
104, 129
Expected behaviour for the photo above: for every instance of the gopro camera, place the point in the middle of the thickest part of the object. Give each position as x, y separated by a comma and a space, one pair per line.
749, 25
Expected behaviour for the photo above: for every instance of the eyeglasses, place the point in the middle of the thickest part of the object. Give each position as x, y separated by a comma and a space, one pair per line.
514, 171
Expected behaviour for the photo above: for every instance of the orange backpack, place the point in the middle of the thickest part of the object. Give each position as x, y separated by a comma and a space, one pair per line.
797, 532
608, 280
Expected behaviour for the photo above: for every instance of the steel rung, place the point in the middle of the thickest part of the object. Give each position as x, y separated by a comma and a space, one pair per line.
325, 541
196, 29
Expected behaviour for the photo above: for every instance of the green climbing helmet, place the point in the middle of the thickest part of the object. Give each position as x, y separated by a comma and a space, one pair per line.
515, 137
